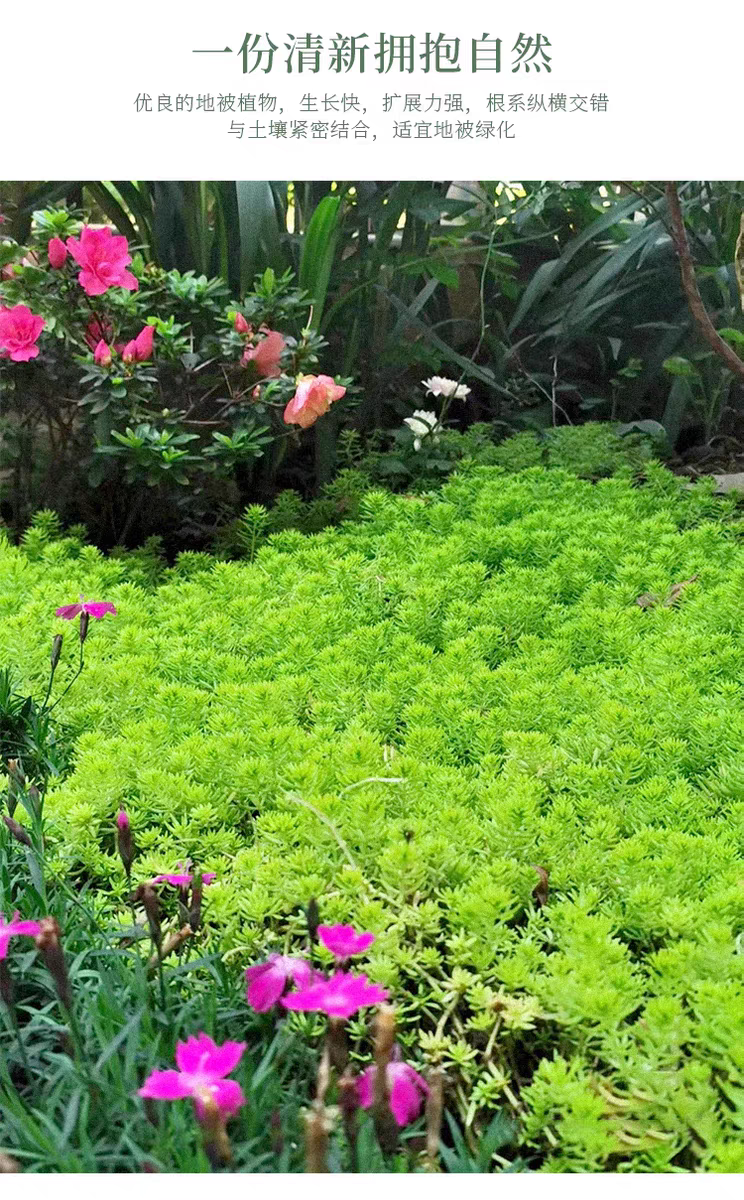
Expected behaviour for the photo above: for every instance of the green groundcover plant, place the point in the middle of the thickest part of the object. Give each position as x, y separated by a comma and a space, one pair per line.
500, 728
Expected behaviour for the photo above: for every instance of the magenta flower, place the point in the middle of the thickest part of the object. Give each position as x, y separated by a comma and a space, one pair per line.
202, 1067
340, 996
57, 253
15, 928
19, 330
268, 980
140, 348
407, 1090
182, 878
343, 941
103, 259
102, 355
94, 608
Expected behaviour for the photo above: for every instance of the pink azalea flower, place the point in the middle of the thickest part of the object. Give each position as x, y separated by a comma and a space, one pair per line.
268, 980
265, 355
19, 329
103, 259
102, 354
407, 1090
57, 253
241, 325
314, 396
15, 928
343, 941
202, 1067
140, 349
340, 996
94, 608
182, 878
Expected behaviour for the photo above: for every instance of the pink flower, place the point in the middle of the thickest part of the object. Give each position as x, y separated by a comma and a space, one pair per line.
268, 980
102, 354
103, 259
407, 1090
202, 1067
265, 355
19, 329
340, 996
343, 941
57, 252
314, 396
140, 349
241, 325
122, 820
94, 608
15, 928
182, 878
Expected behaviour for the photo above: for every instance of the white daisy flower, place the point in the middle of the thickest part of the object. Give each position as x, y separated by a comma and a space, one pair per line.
422, 425
439, 385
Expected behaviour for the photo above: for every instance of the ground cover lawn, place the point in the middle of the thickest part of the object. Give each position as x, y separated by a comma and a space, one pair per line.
404, 717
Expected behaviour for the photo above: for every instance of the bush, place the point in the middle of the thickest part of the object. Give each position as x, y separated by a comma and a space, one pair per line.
147, 402
404, 717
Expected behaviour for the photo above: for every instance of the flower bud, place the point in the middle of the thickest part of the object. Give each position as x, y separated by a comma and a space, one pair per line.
124, 841
7, 991
385, 1124
17, 831
197, 891
241, 325
148, 898
312, 916
102, 355
56, 650
50, 948
84, 622
57, 252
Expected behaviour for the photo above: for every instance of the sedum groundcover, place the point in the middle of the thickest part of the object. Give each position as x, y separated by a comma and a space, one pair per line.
403, 718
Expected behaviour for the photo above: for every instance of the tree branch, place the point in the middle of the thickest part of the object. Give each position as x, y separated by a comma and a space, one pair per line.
691, 289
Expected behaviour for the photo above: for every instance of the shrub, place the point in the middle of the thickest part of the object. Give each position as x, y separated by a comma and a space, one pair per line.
404, 717
144, 401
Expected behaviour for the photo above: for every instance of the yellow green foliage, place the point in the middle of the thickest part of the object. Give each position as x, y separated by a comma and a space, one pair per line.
403, 717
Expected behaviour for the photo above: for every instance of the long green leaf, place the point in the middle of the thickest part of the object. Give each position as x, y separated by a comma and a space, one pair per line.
537, 289
259, 228
318, 252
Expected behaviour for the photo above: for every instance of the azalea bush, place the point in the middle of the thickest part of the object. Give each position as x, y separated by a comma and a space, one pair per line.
137, 400
498, 728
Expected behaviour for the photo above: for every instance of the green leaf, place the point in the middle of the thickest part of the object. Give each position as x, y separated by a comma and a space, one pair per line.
318, 252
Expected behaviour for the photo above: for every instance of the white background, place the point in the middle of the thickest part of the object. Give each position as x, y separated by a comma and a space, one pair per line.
70, 77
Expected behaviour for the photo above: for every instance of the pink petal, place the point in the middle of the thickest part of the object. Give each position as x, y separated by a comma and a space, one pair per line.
225, 1058
189, 1054
366, 1087
405, 1098
98, 608
165, 1085
266, 985
68, 611
25, 928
